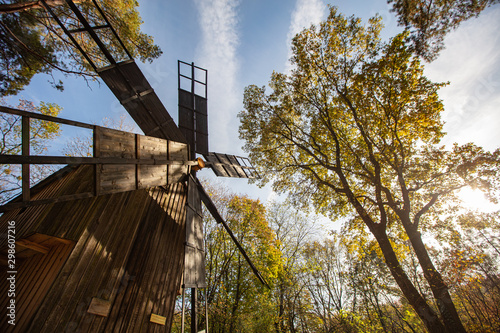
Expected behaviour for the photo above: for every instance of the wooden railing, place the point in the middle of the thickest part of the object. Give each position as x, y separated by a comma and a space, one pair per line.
147, 161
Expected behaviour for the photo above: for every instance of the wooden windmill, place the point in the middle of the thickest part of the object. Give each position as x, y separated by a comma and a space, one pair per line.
105, 243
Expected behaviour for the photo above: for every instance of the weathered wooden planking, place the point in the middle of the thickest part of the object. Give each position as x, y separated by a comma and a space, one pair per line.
152, 175
201, 125
114, 143
96, 268
155, 264
32, 245
34, 277
115, 178
99, 263
194, 276
118, 249
193, 120
57, 259
177, 151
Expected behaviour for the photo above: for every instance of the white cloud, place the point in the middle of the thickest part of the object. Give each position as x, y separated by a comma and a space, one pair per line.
217, 52
305, 13
471, 63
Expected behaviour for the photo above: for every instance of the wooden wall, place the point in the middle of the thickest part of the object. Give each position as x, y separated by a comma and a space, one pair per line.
118, 178
128, 255
36, 271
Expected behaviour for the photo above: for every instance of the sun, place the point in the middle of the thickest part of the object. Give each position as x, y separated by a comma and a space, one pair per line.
476, 200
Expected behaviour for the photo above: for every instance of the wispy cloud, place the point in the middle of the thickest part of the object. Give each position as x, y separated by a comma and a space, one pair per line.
306, 13
217, 52
471, 63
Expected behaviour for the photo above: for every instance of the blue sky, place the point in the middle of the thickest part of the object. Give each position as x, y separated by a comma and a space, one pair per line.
242, 42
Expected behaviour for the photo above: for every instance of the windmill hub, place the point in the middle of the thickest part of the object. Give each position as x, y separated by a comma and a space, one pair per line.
200, 165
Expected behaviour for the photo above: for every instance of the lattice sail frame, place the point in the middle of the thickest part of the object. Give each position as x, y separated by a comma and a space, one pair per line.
193, 114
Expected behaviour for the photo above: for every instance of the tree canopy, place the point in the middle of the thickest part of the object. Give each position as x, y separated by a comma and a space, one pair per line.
237, 300
32, 42
338, 283
354, 129
429, 21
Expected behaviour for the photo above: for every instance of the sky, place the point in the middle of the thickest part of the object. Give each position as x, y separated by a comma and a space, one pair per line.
241, 42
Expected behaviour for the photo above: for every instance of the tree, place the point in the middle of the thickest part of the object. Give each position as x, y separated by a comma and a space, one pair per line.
32, 42
41, 133
237, 300
430, 20
327, 263
354, 130
292, 230
471, 254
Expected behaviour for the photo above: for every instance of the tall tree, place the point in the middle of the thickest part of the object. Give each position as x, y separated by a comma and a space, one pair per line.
32, 42
237, 300
292, 230
327, 264
429, 21
354, 130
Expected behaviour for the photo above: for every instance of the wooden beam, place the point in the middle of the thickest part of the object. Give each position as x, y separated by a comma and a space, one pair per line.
44, 117
33, 246
96, 153
72, 31
19, 159
25, 153
137, 156
69, 197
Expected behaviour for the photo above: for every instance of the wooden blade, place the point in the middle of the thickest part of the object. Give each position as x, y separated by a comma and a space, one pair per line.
225, 165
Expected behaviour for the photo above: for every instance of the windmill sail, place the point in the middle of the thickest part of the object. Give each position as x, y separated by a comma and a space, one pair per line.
121, 74
225, 165
194, 257
193, 114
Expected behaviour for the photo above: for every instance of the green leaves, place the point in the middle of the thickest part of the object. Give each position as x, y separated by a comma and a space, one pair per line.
237, 299
354, 131
430, 21
32, 42
352, 105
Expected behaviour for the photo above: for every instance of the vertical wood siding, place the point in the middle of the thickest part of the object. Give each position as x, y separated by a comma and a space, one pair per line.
129, 250
35, 275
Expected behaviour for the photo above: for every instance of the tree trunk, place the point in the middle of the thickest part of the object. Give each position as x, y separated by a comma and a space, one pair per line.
438, 286
236, 297
281, 309
424, 311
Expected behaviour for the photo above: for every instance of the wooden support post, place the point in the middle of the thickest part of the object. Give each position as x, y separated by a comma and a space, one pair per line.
193, 148
206, 309
97, 167
183, 307
194, 319
138, 156
25, 140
